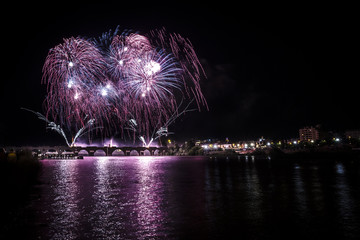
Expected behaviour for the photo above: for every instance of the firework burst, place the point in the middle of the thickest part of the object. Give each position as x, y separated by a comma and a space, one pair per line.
121, 77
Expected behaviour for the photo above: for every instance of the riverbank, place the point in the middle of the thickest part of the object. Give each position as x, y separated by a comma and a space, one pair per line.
18, 175
286, 155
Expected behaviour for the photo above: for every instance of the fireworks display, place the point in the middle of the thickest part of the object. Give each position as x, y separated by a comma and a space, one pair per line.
120, 79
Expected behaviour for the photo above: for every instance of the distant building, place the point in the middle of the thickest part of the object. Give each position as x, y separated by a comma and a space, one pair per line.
308, 134
352, 134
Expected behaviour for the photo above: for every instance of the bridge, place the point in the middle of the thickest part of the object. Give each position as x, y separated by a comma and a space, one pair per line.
62, 151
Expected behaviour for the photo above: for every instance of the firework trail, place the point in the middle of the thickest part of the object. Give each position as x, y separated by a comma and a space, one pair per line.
51, 125
122, 78
160, 130
184, 52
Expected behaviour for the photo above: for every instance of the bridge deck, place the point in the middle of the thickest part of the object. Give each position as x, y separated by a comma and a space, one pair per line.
92, 150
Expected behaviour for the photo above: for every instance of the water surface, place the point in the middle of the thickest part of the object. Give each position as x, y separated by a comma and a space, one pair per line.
196, 198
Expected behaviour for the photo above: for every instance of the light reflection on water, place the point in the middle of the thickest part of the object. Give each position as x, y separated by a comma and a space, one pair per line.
196, 198
104, 214
65, 207
300, 193
150, 215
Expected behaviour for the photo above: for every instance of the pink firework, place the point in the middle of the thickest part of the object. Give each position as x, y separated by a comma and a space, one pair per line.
184, 52
120, 78
73, 71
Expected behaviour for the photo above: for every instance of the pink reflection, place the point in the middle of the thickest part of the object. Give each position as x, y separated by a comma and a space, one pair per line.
150, 215
102, 216
65, 203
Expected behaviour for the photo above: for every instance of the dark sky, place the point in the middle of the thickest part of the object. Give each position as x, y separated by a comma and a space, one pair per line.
270, 69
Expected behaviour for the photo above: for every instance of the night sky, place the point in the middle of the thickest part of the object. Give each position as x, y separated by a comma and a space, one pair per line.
270, 69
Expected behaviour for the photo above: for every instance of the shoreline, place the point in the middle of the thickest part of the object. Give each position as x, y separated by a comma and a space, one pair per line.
303, 155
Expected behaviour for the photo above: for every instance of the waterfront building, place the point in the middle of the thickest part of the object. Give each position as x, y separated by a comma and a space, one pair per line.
308, 134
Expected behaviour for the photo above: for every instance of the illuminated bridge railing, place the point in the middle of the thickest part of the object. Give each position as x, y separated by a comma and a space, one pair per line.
61, 151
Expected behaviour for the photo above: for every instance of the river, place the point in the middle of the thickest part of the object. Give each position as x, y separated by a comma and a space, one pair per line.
196, 198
